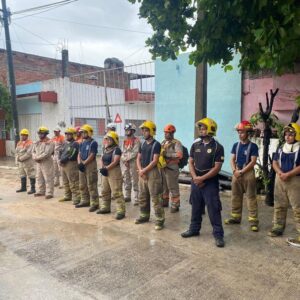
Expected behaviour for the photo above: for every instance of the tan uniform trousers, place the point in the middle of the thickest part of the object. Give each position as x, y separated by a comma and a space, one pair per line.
88, 181
111, 187
170, 185
57, 171
70, 177
45, 177
244, 185
287, 192
26, 168
131, 179
151, 189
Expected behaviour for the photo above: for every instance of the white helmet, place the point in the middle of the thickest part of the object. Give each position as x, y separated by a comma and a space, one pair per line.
57, 129
130, 126
111, 126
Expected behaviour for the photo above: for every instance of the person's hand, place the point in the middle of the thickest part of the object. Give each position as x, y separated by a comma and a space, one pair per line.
198, 180
104, 172
237, 174
81, 167
284, 176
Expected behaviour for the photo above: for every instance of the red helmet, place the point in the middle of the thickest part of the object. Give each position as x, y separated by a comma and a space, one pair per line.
244, 125
77, 128
170, 128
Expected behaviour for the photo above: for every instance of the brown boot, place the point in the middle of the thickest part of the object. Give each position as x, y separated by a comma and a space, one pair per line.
49, 197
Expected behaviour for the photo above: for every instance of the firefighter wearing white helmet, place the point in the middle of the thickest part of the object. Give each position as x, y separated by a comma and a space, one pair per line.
88, 173
59, 141
286, 164
25, 163
130, 148
42, 154
150, 180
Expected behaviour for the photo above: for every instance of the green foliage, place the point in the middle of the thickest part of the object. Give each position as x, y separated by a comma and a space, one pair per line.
273, 122
5, 104
265, 32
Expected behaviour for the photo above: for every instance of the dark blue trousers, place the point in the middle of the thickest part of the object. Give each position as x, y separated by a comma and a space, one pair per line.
207, 195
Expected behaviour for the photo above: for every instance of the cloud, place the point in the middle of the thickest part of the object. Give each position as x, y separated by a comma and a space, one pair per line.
105, 37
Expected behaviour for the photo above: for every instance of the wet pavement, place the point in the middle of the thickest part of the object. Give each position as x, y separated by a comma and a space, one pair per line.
50, 250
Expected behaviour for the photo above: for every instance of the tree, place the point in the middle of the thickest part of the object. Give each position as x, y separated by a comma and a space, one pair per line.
5, 105
265, 32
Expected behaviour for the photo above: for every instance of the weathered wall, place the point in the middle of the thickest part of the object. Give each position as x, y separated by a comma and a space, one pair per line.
254, 92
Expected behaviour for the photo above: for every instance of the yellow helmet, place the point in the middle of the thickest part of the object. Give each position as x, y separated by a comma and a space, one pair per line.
43, 129
295, 128
88, 128
70, 130
24, 131
210, 124
114, 136
149, 125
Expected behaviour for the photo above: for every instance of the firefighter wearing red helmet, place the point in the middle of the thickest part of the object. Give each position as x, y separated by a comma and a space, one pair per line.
244, 156
171, 153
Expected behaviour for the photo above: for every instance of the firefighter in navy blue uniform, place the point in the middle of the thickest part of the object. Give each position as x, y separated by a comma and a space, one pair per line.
244, 155
286, 164
206, 159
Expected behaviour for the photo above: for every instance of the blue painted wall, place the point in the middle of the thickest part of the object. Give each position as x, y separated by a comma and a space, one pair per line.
175, 100
224, 104
175, 97
29, 88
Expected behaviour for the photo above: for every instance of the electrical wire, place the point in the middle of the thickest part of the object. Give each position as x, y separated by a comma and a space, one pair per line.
93, 25
34, 34
50, 5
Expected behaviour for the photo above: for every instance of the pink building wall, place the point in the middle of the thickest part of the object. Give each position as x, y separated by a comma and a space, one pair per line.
254, 92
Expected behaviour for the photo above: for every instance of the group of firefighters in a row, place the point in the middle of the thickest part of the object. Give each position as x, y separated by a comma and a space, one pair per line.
151, 170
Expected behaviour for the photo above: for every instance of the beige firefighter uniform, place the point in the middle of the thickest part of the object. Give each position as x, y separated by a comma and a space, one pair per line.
111, 187
24, 161
245, 184
129, 169
287, 192
151, 189
172, 153
42, 154
59, 142
69, 171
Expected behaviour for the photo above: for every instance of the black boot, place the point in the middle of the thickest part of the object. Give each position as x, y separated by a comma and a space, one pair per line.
23, 185
32, 184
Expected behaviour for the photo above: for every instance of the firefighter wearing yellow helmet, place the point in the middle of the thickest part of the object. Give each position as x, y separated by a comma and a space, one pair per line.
112, 180
69, 168
286, 164
88, 173
24, 161
150, 181
42, 155
206, 159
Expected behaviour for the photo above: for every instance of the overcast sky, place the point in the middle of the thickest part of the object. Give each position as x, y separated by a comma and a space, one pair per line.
110, 32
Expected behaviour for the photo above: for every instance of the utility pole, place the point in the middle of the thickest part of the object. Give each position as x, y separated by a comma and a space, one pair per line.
12, 82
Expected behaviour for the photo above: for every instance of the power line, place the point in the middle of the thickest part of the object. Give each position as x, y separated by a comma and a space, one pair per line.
50, 5
92, 25
33, 33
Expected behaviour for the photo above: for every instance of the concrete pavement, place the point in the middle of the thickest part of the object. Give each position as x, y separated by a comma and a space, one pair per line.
50, 250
